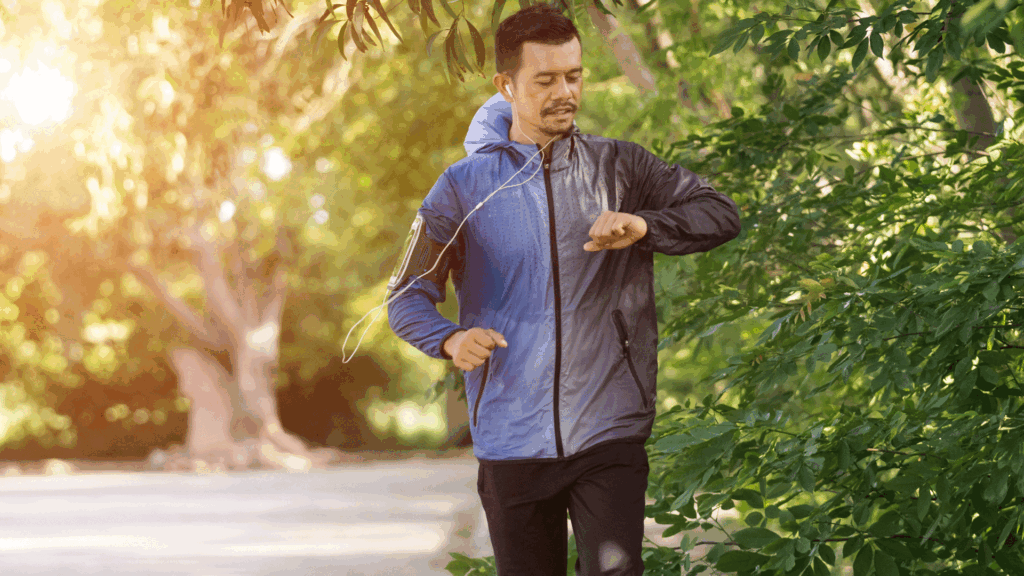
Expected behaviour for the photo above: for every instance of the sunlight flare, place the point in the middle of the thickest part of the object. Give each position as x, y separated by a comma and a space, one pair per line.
41, 95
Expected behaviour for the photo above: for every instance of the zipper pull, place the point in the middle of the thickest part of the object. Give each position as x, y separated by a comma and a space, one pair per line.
620, 325
546, 166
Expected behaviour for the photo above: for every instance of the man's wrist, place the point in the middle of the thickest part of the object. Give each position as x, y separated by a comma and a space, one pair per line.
444, 345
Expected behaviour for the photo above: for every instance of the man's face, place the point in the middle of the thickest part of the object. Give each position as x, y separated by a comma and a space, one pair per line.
548, 87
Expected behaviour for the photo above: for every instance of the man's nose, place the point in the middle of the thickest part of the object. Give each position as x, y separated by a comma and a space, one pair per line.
562, 91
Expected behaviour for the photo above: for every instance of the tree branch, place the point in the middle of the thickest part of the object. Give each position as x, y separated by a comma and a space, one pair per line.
200, 328
628, 57
219, 297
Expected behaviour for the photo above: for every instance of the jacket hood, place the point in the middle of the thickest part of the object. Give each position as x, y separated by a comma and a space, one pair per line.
490, 127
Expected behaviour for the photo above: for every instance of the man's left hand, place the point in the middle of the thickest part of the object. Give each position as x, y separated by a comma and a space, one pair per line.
615, 230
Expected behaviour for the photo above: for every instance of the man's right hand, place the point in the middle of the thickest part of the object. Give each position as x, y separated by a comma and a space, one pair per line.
470, 348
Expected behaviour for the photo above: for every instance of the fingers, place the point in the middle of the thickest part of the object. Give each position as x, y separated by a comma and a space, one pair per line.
497, 338
476, 348
610, 225
612, 231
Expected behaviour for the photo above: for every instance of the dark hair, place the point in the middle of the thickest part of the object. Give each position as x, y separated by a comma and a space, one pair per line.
541, 23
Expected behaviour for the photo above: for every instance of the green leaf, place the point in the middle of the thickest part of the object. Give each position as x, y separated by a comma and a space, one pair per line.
341, 39
373, 25
447, 8
384, 15
824, 47
600, 6
754, 537
716, 552
358, 34
1010, 560
428, 9
924, 503
756, 33
806, 477
862, 564
845, 459
801, 510
478, 44
884, 565
751, 497
450, 57
860, 53
460, 48
794, 49
995, 492
496, 15
852, 546
933, 64
895, 548
737, 560
430, 41
876, 44
837, 38
724, 42
887, 525
991, 292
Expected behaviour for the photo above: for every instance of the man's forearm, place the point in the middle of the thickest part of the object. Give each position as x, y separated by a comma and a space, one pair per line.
414, 318
706, 221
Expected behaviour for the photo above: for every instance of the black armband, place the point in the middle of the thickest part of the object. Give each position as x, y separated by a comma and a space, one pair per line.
419, 257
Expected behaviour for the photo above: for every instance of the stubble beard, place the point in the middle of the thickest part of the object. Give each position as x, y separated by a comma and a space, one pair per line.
552, 128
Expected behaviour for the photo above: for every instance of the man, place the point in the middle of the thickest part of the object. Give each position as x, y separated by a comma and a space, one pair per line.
557, 330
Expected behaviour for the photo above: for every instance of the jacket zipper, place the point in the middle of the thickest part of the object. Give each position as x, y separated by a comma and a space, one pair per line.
558, 305
483, 384
620, 324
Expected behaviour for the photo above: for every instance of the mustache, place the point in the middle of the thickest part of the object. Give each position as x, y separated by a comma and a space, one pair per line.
551, 110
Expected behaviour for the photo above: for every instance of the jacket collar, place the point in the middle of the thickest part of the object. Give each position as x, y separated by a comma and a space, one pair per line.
561, 152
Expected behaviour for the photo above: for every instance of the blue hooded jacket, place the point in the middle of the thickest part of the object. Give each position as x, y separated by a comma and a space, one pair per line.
581, 361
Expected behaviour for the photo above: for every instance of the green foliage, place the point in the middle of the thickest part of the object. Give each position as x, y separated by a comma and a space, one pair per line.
876, 421
464, 48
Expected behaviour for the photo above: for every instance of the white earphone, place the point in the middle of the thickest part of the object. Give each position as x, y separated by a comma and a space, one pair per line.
386, 301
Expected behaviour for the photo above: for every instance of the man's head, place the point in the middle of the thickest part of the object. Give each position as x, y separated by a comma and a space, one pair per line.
540, 71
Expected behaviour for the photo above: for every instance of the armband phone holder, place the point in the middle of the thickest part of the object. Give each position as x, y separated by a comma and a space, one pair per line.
420, 258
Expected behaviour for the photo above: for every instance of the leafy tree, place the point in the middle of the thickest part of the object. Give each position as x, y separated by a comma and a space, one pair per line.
165, 247
875, 422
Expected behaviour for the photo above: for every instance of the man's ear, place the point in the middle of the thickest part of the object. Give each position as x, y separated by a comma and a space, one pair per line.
503, 83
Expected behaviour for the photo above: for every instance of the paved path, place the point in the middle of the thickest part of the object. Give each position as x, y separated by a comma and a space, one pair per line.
394, 517
375, 518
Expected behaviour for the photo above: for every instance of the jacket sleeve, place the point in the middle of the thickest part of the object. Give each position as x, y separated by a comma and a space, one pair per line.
684, 213
413, 314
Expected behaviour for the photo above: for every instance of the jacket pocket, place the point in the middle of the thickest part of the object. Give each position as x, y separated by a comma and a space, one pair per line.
624, 336
480, 394
620, 325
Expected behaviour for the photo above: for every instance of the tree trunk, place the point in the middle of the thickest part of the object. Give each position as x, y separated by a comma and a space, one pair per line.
233, 414
628, 57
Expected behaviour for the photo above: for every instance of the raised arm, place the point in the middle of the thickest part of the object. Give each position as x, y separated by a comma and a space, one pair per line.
684, 213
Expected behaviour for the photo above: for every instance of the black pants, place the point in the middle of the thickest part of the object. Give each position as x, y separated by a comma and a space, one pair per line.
602, 488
